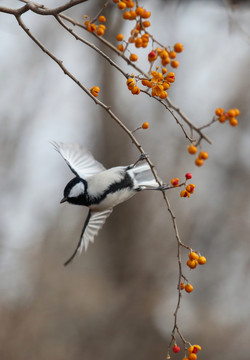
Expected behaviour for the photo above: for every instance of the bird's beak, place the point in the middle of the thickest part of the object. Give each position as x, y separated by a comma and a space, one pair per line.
63, 200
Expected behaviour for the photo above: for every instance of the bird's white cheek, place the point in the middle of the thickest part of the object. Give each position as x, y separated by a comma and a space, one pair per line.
77, 190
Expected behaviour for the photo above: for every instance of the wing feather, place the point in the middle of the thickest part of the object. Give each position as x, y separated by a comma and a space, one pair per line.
92, 225
80, 160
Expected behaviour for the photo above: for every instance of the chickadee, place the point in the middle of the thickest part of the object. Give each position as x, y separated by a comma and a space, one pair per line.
100, 189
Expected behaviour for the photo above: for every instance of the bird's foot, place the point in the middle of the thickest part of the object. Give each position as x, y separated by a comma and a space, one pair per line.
142, 157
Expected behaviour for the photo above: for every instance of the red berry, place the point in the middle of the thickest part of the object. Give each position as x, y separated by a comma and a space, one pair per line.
195, 350
188, 176
176, 349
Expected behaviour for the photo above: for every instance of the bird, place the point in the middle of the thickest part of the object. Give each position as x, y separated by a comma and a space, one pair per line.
100, 189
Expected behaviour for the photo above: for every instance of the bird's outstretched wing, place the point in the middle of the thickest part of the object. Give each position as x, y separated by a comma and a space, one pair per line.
80, 161
92, 225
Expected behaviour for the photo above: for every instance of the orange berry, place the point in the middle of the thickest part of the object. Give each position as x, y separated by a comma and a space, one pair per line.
145, 125
193, 256
91, 28
101, 26
99, 31
86, 23
222, 118
192, 356
184, 193
172, 54
190, 188
219, 111
126, 15
165, 61
196, 348
139, 11
130, 4
182, 285
132, 15
170, 77
163, 95
95, 90
119, 37
202, 260
133, 57
102, 19
130, 82
175, 182
157, 90
145, 82
121, 5
231, 113
192, 149
145, 37
146, 23
203, 155
178, 47
164, 54
189, 288
166, 85
175, 64
120, 47
145, 14
138, 42
199, 162
233, 121
164, 70
135, 90
192, 263
237, 112
152, 56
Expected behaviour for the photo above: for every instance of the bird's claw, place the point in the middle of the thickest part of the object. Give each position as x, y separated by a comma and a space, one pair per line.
143, 156
163, 187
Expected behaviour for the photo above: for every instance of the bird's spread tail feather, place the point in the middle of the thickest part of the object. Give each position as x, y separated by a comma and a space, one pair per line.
143, 175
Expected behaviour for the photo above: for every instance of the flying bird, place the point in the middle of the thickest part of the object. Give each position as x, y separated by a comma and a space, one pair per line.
100, 189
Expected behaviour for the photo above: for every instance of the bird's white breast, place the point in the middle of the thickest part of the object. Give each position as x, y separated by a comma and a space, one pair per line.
113, 199
99, 183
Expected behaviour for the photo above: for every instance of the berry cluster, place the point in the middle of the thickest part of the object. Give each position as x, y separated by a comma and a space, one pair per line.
195, 259
139, 37
167, 56
159, 82
192, 352
189, 189
229, 115
203, 155
99, 29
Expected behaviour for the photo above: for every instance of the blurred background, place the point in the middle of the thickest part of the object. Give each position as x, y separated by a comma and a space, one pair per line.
117, 300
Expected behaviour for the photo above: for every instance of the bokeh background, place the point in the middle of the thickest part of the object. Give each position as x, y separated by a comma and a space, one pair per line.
117, 300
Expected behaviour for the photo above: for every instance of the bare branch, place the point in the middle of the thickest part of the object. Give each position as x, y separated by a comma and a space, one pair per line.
42, 10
